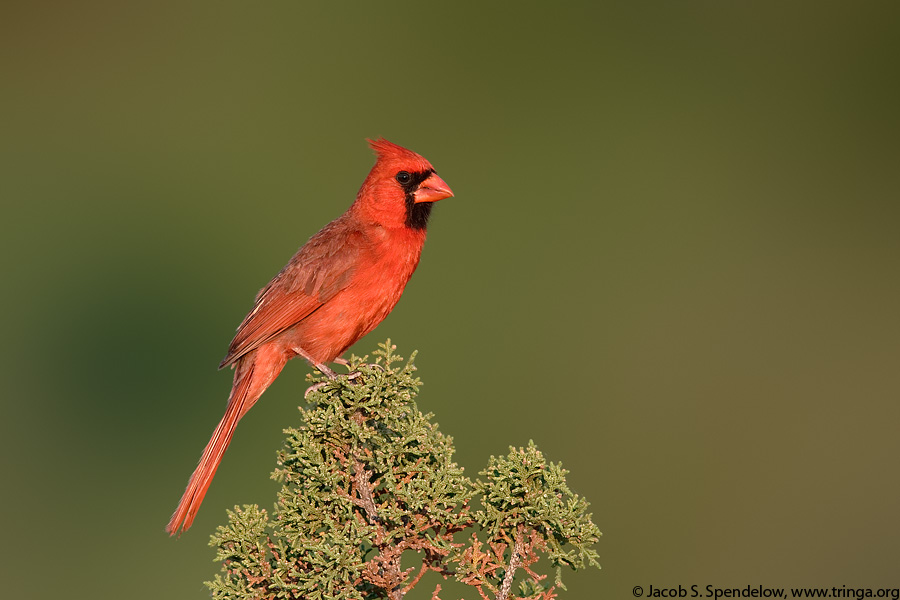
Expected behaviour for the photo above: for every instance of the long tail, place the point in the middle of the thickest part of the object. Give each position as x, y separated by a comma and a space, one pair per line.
254, 373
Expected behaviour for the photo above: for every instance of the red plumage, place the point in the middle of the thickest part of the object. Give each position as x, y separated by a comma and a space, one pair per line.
337, 288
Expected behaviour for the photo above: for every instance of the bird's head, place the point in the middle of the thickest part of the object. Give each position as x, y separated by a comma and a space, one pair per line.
400, 188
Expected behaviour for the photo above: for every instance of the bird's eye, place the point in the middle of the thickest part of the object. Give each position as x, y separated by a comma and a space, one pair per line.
403, 177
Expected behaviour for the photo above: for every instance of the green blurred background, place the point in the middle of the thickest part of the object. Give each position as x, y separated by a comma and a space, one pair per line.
672, 261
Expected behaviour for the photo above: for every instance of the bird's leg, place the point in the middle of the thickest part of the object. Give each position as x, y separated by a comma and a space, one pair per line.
323, 368
320, 366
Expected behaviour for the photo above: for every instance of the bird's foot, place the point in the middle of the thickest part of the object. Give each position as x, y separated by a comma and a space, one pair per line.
331, 374
313, 388
354, 374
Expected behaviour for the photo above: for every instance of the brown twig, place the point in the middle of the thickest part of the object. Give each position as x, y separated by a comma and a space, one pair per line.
361, 478
367, 500
413, 583
513, 565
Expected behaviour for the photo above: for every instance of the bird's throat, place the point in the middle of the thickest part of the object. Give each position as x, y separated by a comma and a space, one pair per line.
417, 213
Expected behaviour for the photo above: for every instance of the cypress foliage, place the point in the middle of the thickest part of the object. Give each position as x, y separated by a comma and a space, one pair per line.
369, 481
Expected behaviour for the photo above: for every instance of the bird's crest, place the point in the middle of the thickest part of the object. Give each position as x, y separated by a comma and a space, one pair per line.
389, 152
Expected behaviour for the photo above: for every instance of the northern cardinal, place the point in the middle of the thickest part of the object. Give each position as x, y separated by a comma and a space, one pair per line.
337, 288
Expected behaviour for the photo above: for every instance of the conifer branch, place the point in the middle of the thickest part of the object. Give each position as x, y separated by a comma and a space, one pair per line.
513, 565
369, 479
361, 479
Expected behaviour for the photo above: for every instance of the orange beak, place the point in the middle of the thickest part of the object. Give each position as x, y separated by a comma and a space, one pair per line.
432, 190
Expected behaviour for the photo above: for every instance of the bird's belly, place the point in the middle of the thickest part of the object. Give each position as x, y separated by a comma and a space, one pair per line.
353, 312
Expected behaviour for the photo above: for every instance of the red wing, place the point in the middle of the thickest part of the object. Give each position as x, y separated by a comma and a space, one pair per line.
320, 269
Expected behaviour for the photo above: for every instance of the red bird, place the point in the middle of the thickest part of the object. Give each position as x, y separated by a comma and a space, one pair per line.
337, 288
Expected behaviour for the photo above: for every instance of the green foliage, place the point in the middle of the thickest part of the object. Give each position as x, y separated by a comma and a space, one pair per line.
524, 493
369, 481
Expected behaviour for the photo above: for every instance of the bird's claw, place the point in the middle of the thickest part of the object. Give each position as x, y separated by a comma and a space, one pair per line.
313, 388
332, 375
349, 376
355, 374
346, 363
